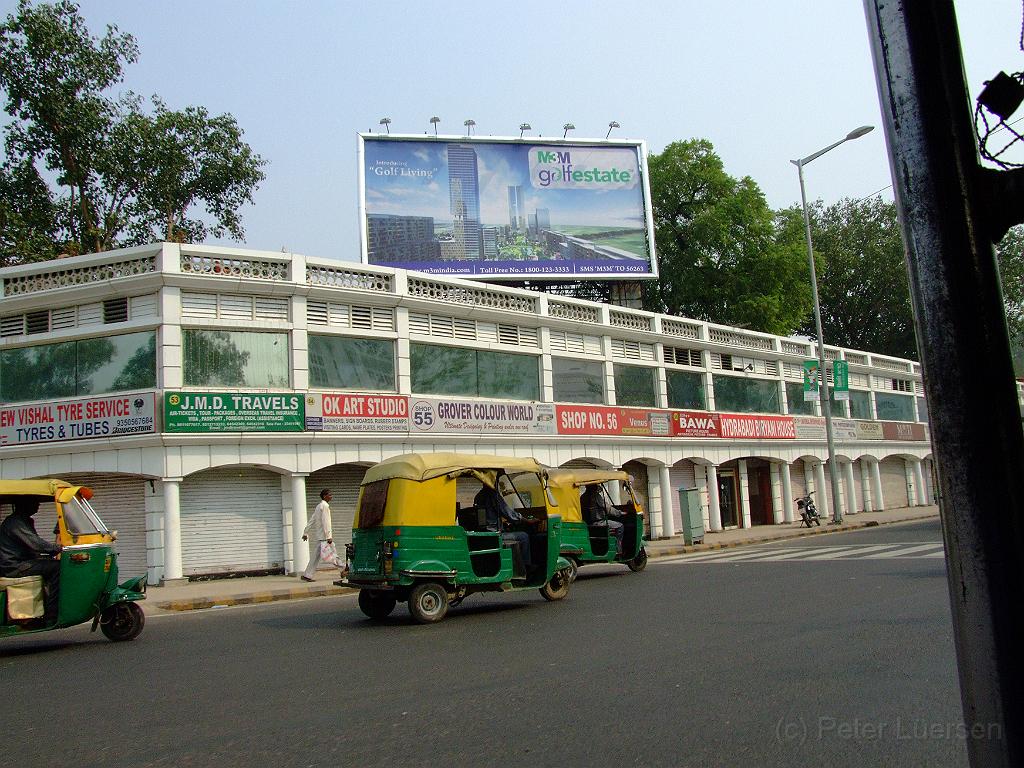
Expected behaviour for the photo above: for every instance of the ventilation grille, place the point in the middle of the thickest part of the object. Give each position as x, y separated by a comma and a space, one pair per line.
724, 362
682, 330
564, 341
632, 350
681, 356
118, 310
350, 316
443, 327
227, 306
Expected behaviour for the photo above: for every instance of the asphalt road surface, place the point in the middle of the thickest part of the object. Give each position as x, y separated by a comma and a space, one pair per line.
828, 651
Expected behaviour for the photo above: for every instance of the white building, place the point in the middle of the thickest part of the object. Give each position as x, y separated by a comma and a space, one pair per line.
208, 394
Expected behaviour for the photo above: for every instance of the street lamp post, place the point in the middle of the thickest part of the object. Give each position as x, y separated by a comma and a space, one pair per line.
826, 405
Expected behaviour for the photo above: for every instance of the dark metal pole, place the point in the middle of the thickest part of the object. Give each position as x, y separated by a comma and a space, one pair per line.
975, 418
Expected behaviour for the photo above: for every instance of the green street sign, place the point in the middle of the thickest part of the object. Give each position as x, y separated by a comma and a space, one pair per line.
233, 412
810, 379
841, 380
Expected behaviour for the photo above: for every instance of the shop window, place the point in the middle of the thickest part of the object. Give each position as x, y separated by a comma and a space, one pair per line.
686, 390
634, 386
922, 410
860, 404
235, 359
891, 407
438, 370
733, 393
341, 362
75, 368
795, 398
577, 381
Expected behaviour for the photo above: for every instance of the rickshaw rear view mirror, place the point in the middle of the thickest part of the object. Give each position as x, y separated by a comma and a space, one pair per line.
551, 497
113, 535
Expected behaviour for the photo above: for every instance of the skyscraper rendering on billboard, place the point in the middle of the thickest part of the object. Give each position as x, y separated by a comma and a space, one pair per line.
507, 207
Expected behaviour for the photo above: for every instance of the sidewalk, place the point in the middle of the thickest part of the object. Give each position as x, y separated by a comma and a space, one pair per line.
264, 589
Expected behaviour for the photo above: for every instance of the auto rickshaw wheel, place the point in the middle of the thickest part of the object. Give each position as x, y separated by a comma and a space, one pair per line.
122, 621
558, 586
428, 602
376, 604
574, 569
639, 562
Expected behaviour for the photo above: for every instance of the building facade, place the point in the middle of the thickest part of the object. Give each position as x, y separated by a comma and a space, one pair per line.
208, 395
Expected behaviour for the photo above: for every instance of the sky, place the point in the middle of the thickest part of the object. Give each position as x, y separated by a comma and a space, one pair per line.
765, 82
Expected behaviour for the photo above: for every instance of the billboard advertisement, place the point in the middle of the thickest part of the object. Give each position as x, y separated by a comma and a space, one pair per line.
113, 416
507, 208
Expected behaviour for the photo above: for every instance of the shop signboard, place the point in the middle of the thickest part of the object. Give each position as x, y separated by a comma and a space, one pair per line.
869, 430
93, 417
480, 417
507, 207
609, 420
754, 426
841, 380
356, 413
903, 430
232, 412
695, 424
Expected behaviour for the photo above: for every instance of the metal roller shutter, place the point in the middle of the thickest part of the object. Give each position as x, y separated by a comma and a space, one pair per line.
680, 476
121, 504
894, 482
797, 482
638, 472
579, 464
231, 521
343, 480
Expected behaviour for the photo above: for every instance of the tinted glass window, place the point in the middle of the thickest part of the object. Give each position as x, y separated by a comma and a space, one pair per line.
686, 390
634, 386
339, 362
733, 393
795, 398
235, 359
577, 381
893, 407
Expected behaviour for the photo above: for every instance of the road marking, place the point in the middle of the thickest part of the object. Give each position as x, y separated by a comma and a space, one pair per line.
907, 551
819, 554
854, 550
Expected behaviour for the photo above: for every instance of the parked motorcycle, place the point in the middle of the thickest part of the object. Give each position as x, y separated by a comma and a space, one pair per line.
808, 512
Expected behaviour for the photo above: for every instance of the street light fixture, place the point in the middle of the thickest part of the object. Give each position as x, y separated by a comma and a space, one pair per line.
386, 122
434, 121
826, 407
611, 125
524, 127
469, 126
568, 127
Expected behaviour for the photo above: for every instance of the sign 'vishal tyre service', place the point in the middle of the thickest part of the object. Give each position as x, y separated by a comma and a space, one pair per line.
507, 208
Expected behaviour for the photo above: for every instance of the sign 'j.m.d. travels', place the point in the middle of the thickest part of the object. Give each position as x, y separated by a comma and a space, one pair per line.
233, 412
512, 208
94, 417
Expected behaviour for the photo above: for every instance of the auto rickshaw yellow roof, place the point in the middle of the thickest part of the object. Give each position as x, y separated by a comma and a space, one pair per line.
424, 466
582, 476
49, 487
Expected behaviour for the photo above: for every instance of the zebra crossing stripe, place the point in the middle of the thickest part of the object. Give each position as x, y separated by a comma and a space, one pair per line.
907, 551
802, 553
856, 550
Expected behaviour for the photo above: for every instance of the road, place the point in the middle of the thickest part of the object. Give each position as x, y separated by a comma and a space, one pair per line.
820, 656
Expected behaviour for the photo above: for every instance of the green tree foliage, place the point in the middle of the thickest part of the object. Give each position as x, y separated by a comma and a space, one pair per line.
862, 278
723, 255
121, 176
1010, 256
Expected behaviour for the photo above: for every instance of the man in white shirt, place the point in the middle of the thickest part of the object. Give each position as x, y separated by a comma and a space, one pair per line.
317, 530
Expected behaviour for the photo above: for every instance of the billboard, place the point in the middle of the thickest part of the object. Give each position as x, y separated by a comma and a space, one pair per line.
507, 208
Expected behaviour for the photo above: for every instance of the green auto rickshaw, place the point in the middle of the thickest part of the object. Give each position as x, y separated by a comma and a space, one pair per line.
422, 534
587, 540
88, 587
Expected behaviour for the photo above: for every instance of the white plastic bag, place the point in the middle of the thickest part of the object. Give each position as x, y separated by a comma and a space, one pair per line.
329, 554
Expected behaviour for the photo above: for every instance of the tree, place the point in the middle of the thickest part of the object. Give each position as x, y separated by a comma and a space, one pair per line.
723, 255
1010, 257
122, 176
862, 288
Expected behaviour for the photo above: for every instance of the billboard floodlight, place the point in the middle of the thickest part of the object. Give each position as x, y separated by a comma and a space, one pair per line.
611, 125
434, 121
524, 127
469, 126
568, 127
386, 122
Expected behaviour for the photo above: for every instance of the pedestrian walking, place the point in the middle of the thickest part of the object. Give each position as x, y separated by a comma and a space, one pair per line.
317, 531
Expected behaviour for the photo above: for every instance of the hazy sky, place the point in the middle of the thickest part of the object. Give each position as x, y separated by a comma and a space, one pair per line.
765, 82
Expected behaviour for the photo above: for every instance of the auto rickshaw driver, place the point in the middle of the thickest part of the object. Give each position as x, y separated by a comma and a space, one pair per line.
23, 552
499, 514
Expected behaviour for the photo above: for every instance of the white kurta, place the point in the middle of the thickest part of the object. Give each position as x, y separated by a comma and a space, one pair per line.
317, 529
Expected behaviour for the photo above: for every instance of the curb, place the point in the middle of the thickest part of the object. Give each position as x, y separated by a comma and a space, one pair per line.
251, 598
328, 590
796, 534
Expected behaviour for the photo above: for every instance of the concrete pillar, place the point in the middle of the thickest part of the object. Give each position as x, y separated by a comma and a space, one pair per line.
300, 550
912, 487
787, 493
714, 510
172, 528
922, 490
668, 525
744, 494
876, 485
851, 495
776, 486
821, 495
700, 475
865, 484
654, 517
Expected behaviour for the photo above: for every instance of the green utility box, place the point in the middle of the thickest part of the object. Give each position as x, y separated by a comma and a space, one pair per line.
693, 517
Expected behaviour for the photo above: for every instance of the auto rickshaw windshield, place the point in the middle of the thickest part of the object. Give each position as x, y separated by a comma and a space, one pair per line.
80, 518
527, 489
